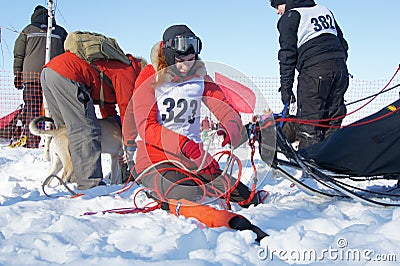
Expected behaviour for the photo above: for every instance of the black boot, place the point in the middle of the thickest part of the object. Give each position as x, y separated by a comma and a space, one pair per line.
240, 223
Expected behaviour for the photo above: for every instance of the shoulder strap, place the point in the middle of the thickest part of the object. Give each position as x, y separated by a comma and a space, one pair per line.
106, 79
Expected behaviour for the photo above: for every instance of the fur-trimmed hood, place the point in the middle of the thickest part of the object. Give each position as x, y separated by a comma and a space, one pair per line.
198, 68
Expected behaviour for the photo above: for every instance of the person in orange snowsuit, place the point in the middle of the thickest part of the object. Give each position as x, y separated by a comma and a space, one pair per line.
167, 114
170, 158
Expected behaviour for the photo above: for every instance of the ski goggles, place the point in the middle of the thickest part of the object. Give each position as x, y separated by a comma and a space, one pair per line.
182, 44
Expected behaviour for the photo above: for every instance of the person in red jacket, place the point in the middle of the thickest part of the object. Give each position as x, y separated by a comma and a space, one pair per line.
72, 87
170, 158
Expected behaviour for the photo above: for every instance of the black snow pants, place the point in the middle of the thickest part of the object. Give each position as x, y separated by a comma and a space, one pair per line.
320, 96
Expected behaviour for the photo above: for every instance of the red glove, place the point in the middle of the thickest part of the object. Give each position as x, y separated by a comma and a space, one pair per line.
195, 152
231, 133
222, 132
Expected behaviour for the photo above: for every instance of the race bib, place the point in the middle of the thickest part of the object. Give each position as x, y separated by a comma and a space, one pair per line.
179, 107
314, 21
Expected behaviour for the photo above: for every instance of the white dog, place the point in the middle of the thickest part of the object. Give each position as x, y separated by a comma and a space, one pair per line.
60, 156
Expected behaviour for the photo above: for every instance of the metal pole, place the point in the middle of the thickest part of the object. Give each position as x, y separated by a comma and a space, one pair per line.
50, 17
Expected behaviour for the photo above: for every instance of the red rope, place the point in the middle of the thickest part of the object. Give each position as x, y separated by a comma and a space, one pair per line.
330, 126
255, 178
191, 176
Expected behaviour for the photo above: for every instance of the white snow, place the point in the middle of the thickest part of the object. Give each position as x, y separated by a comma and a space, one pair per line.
304, 229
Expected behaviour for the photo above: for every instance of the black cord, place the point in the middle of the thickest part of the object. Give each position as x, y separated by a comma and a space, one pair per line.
47, 181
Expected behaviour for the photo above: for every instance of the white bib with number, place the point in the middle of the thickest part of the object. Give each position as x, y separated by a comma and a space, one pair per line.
179, 107
314, 21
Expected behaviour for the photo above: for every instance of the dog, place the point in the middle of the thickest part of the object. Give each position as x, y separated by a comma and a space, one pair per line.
60, 156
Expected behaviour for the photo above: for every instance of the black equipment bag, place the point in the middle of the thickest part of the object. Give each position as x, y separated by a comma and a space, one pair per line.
368, 147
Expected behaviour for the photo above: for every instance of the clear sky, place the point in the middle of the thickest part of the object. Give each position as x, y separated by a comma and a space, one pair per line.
240, 33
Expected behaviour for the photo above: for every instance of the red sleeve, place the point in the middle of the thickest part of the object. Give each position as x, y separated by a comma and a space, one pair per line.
108, 110
214, 99
147, 72
129, 130
124, 89
124, 97
123, 77
146, 116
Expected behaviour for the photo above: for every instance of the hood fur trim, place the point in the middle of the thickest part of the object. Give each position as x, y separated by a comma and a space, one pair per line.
154, 54
197, 70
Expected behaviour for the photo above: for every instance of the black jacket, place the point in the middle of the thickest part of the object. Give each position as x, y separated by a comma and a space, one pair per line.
30, 46
314, 50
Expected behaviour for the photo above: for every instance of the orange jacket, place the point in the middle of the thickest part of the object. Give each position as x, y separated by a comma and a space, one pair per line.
123, 78
158, 143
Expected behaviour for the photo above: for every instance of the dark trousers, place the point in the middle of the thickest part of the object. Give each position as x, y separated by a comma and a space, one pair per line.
33, 101
168, 184
320, 95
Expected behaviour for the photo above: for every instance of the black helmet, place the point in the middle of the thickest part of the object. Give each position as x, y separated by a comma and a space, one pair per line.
275, 3
179, 41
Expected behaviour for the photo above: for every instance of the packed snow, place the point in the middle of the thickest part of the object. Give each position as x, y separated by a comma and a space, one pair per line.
304, 229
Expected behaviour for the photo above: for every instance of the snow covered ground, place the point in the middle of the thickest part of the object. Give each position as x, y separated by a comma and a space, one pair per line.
304, 229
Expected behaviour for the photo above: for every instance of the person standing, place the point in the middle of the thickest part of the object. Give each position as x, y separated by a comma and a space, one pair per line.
205, 127
312, 43
29, 58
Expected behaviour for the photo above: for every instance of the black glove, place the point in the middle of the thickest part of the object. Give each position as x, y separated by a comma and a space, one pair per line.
128, 172
287, 95
128, 163
18, 79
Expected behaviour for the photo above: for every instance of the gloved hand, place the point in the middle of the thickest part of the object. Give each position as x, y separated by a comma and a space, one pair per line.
195, 152
18, 81
129, 154
127, 162
287, 95
223, 132
231, 134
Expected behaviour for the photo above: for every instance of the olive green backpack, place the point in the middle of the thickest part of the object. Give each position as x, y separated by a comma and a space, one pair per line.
92, 46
